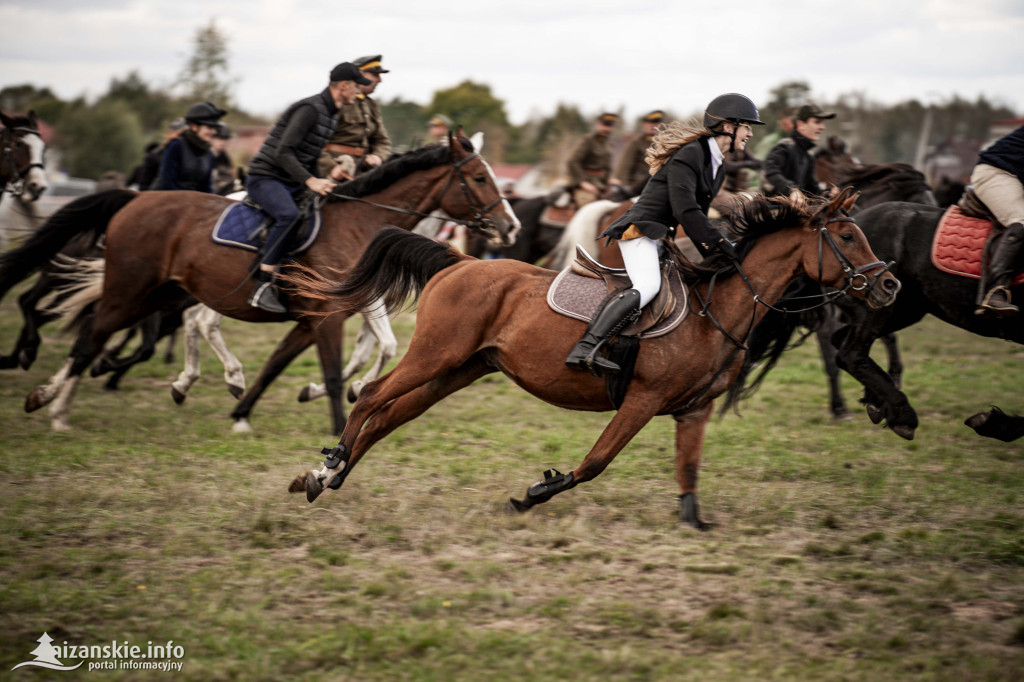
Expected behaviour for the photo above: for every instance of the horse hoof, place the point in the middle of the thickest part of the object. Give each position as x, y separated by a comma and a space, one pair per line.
241, 426
237, 391
842, 415
25, 359
514, 506
354, 390
979, 420
33, 402
874, 413
904, 431
60, 426
352, 395
178, 396
304, 395
313, 487
298, 484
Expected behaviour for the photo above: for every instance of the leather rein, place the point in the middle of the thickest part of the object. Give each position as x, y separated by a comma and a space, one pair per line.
480, 220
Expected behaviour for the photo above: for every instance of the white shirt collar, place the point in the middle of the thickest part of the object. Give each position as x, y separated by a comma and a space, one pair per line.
717, 157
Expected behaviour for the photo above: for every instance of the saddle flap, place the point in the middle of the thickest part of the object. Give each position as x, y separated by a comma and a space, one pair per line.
578, 291
960, 242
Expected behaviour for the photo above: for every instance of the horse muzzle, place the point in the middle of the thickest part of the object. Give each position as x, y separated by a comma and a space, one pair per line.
882, 290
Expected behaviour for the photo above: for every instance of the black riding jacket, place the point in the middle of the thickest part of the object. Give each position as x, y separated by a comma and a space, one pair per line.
790, 165
680, 193
291, 149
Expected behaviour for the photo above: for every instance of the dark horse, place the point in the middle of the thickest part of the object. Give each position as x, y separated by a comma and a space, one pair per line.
21, 164
477, 317
158, 250
903, 232
535, 239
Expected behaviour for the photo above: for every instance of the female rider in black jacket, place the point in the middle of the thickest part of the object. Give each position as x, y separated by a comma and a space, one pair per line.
686, 170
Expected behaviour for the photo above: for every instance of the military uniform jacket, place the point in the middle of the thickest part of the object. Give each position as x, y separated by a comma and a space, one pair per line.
680, 193
591, 161
632, 168
361, 124
788, 166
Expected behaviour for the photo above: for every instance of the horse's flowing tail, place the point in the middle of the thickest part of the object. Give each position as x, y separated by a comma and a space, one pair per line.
74, 300
397, 264
88, 215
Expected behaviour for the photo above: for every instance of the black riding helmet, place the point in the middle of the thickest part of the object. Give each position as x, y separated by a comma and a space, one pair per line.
733, 108
204, 114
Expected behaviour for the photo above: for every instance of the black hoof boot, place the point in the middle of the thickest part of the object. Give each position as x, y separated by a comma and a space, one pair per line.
690, 513
554, 482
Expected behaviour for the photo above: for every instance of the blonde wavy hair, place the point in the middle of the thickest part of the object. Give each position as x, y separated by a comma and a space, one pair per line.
670, 138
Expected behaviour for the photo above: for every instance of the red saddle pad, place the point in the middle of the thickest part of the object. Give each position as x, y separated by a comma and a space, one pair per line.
959, 242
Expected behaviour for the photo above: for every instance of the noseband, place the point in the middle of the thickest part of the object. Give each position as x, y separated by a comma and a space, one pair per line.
856, 280
16, 181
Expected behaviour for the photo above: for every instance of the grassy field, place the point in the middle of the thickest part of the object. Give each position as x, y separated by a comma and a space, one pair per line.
840, 551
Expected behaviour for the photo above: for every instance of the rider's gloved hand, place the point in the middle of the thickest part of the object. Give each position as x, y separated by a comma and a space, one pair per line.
726, 247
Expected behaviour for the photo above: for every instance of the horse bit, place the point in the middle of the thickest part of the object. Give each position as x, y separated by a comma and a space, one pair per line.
16, 185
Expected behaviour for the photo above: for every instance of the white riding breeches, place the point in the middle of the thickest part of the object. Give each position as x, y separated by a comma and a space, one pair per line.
641, 257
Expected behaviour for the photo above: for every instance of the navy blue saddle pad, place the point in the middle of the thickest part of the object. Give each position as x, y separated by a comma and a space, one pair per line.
242, 226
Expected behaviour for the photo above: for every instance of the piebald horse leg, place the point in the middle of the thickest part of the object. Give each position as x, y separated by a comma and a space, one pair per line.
690, 430
380, 327
623, 427
390, 402
200, 319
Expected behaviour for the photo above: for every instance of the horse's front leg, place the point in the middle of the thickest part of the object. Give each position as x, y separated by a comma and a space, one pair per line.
328, 336
828, 326
627, 423
690, 428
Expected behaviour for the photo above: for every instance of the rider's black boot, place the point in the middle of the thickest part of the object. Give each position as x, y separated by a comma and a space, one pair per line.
616, 314
1001, 270
265, 295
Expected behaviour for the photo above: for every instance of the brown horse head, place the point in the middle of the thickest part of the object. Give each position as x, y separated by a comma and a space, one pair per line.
473, 191
21, 162
841, 256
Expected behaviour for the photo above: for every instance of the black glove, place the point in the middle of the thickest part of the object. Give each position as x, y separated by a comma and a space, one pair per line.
726, 247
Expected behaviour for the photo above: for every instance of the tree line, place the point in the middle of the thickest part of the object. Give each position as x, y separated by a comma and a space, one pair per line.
111, 132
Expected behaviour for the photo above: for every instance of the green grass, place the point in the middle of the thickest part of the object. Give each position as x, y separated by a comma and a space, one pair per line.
839, 551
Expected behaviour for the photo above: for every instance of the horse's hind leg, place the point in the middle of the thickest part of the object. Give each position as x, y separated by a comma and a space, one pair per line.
297, 340
27, 347
388, 412
895, 359
623, 427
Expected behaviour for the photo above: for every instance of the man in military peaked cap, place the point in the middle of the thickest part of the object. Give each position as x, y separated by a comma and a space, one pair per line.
360, 142
591, 162
632, 171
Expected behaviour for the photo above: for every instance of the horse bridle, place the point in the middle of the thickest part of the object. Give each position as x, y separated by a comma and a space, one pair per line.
16, 182
480, 220
856, 280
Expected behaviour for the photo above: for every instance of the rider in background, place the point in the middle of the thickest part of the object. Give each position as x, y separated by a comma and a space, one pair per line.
632, 172
437, 129
186, 162
686, 173
789, 166
591, 162
223, 167
360, 142
998, 180
286, 165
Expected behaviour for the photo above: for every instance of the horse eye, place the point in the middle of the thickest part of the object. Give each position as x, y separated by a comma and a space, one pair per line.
482, 179
846, 236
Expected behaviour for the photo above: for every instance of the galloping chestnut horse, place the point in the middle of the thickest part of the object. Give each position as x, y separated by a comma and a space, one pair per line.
477, 317
21, 163
158, 247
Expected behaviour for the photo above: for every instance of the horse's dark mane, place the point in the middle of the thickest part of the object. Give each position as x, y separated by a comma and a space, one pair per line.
21, 122
397, 167
753, 220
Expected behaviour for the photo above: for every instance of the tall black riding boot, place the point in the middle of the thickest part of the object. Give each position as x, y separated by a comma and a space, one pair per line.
607, 322
266, 295
1001, 267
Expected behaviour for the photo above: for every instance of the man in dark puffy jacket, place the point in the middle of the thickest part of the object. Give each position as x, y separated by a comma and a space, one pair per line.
789, 166
286, 165
998, 180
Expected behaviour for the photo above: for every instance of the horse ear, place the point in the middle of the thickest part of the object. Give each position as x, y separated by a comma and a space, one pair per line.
478, 141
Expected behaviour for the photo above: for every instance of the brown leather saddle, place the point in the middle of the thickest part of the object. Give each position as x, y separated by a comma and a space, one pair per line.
579, 290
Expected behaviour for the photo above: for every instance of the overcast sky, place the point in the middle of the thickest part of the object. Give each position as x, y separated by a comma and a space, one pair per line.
596, 54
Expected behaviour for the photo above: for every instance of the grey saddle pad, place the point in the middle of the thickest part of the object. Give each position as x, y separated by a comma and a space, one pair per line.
578, 296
